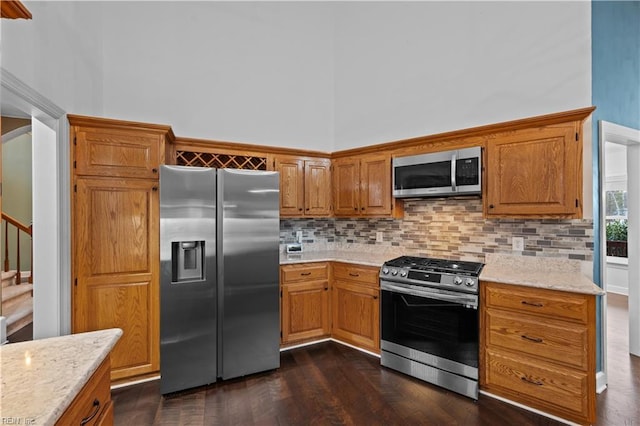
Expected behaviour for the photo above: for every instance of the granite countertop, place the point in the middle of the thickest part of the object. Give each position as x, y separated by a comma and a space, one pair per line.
362, 254
539, 272
41, 378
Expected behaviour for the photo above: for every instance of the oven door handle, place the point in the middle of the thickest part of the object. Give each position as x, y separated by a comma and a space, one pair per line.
462, 299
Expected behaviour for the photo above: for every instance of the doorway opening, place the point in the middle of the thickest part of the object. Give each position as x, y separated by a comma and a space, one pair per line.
50, 205
620, 228
17, 230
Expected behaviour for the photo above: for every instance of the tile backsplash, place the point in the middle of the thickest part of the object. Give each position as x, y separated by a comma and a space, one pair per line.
451, 228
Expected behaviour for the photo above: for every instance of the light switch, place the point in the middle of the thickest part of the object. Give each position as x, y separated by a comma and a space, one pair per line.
379, 237
299, 236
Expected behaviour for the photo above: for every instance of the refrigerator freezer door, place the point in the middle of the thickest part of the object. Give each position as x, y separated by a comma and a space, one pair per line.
248, 272
188, 329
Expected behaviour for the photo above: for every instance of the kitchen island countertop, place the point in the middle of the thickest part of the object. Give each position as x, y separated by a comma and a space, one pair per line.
41, 378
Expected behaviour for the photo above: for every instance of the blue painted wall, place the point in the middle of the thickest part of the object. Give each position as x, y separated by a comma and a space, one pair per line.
615, 90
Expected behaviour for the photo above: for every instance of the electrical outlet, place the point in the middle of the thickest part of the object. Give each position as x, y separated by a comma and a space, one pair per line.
517, 243
379, 237
299, 236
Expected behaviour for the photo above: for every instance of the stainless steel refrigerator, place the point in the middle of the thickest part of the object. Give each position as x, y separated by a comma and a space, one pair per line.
219, 267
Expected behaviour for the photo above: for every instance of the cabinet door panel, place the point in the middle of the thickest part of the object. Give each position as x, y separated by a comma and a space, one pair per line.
346, 187
535, 172
116, 261
356, 315
375, 176
291, 186
117, 153
317, 184
305, 311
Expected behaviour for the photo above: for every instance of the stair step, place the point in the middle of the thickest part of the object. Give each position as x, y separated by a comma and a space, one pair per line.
14, 295
21, 316
8, 278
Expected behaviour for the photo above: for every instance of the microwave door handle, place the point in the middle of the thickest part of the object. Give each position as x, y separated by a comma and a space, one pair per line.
453, 172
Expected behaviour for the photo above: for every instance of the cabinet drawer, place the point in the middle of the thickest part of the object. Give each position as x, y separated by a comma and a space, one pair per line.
303, 272
557, 341
559, 391
350, 272
94, 398
551, 303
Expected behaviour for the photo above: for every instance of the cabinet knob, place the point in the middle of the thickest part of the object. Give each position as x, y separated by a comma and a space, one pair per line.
490, 206
154, 189
355, 208
362, 208
375, 297
307, 209
154, 170
300, 209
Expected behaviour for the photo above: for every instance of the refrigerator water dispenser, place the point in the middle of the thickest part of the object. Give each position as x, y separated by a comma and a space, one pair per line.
187, 261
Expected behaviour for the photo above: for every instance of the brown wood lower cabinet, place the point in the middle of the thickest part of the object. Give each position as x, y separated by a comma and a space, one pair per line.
538, 349
334, 299
305, 310
92, 406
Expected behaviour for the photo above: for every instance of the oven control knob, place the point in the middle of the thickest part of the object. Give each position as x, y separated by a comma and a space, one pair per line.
394, 272
403, 273
469, 282
457, 281
385, 271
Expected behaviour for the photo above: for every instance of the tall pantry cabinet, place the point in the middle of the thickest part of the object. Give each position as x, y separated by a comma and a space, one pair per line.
115, 236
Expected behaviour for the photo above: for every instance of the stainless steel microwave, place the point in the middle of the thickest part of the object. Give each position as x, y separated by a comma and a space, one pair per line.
437, 174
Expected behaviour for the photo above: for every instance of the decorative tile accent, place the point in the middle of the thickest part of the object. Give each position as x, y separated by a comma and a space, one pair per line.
452, 228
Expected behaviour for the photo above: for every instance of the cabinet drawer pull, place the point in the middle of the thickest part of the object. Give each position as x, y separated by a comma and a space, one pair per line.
533, 382
96, 408
351, 274
534, 304
305, 273
532, 339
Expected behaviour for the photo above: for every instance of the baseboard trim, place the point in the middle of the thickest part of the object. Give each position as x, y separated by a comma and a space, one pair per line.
601, 381
355, 347
526, 407
135, 382
315, 342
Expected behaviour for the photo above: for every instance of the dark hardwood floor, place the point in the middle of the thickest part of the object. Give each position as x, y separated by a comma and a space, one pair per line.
329, 383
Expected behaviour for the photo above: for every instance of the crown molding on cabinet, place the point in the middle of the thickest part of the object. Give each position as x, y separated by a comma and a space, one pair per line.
86, 121
537, 121
14, 10
191, 143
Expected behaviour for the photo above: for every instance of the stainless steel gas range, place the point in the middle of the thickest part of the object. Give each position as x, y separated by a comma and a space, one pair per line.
430, 322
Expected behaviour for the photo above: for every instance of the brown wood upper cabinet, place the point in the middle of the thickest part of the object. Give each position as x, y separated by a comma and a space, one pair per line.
305, 186
535, 172
115, 237
362, 186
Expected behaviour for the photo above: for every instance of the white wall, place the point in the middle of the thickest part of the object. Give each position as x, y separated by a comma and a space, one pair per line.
253, 72
58, 53
416, 68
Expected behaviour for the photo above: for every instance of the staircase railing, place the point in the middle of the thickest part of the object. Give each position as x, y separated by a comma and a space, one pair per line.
20, 227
